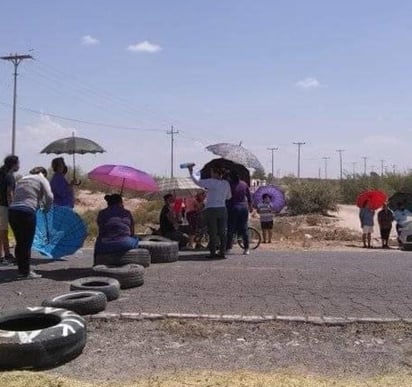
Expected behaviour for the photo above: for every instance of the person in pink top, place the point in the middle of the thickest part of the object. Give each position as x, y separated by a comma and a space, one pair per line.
194, 208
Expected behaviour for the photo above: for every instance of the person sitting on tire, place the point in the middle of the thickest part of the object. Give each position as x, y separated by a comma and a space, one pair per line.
116, 228
169, 225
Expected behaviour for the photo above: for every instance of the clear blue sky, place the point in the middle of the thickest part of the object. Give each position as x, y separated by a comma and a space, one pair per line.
335, 75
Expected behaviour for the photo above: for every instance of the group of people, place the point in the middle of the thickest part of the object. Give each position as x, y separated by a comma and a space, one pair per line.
19, 203
386, 217
223, 207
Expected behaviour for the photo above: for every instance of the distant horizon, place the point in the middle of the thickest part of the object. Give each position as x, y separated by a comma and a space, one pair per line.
335, 76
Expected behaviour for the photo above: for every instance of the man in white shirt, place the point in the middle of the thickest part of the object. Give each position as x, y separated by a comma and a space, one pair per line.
218, 191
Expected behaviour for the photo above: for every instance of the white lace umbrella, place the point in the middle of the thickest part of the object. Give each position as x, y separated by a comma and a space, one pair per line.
236, 153
179, 186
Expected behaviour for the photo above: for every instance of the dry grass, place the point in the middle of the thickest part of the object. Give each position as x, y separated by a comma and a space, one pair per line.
208, 378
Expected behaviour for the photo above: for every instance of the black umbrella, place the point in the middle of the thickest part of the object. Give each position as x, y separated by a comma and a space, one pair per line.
72, 145
400, 197
227, 165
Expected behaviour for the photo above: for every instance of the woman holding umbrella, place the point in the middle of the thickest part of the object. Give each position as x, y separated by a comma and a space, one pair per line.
61, 188
116, 228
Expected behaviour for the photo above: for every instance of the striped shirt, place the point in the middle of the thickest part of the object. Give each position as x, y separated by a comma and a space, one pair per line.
265, 210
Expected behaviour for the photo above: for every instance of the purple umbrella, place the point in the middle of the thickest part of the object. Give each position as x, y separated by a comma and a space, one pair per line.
123, 176
277, 196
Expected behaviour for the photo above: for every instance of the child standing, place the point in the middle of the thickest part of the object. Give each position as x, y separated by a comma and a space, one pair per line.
266, 211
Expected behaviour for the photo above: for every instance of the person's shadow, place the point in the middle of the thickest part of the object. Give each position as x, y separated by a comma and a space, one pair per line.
69, 274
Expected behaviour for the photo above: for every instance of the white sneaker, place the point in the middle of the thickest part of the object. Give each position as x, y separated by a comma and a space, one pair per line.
31, 275
246, 252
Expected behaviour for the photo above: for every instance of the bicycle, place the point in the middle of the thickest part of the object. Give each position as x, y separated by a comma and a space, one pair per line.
255, 238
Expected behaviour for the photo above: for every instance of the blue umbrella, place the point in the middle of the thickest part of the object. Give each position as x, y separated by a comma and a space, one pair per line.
277, 196
59, 232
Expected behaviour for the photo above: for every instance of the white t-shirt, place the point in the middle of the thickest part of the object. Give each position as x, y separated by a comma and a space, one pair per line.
218, 191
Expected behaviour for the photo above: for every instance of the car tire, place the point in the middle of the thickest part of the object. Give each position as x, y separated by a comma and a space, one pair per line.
137, 256
109, 286
40, 337
161, 252
129, 276
80, 302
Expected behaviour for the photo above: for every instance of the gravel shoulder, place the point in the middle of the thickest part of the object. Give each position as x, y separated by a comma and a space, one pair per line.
122, 351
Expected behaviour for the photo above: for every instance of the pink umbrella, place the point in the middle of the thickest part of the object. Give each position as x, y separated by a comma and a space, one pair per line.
123, 176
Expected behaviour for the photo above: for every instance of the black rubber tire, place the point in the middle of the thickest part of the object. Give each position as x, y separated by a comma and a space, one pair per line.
137, 256
129, 276
80, 302
155, 238
161, 252
40, 338
109, 286
255, 238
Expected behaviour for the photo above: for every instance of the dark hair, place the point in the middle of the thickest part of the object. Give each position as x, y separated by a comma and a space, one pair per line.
56, 162
37, 170
113, 199
9, 162
167, 197
266, 195
218, 171
234, 176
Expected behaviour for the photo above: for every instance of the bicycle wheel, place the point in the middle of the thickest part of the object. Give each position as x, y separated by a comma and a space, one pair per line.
254, 238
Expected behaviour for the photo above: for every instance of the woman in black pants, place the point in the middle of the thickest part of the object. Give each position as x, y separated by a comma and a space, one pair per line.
32, 192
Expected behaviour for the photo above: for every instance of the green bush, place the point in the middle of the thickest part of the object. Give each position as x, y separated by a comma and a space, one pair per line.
312, 197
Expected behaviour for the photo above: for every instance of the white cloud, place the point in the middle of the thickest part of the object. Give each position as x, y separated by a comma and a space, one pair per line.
145, 46
88, 40
308, 83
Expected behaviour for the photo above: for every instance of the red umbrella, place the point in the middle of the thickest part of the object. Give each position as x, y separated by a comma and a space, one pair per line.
375, 198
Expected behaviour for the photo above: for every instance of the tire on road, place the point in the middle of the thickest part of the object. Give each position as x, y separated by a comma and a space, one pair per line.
40, 337
161, 252
129, 276
137, 256
109, 286
155, 238
81, 302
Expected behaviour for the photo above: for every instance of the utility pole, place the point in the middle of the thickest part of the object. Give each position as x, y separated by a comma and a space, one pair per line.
354, 168
340, 151
16, 60
364, 164
326, 166
393, 168
273, 160
172, 133
382, 167
299, 144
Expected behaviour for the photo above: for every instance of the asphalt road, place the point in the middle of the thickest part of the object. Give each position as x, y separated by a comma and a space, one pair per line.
358, 283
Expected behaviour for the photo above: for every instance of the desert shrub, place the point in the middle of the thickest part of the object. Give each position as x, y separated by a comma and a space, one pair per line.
312, 196
89, 218
147, 213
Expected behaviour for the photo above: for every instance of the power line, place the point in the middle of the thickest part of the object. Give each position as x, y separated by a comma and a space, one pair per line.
101, 124
16, 60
